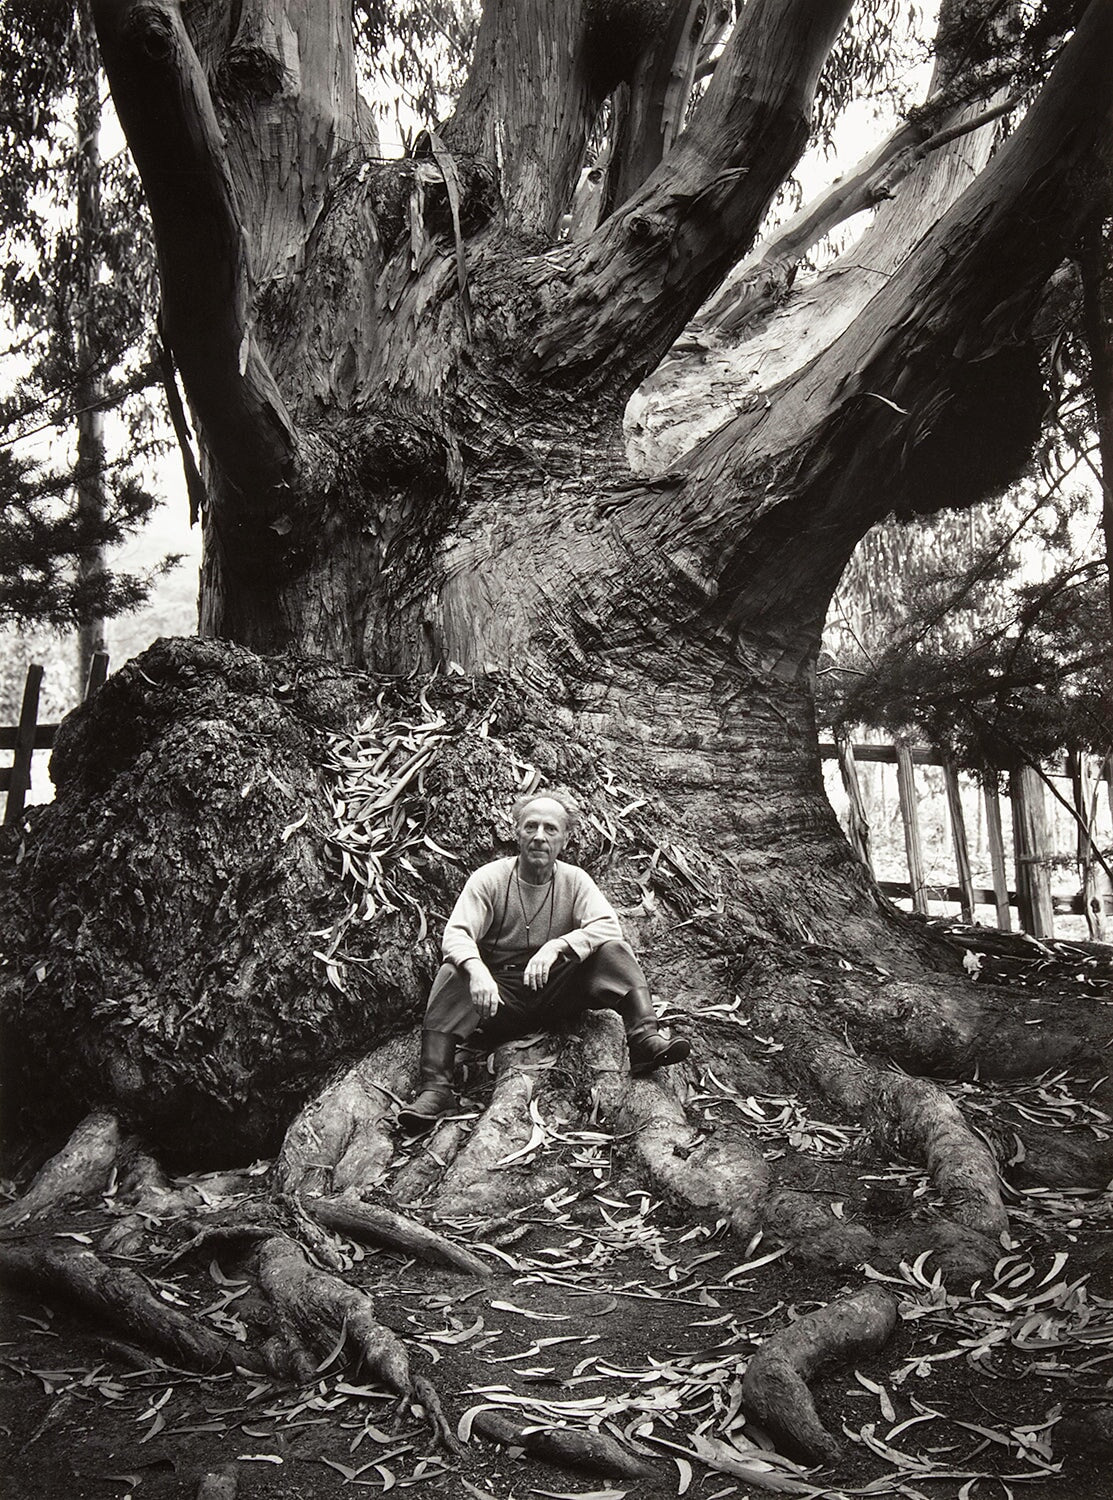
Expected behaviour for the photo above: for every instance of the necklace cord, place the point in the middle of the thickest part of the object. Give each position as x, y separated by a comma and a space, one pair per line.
549, 900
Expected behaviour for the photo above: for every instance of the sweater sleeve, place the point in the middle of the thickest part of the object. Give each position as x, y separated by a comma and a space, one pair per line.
470, 918
594, 916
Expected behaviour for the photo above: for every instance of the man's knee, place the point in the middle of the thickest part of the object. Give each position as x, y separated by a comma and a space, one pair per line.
450, 1007
610, 973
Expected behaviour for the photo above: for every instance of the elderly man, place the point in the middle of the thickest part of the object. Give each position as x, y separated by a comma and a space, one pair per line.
531, 941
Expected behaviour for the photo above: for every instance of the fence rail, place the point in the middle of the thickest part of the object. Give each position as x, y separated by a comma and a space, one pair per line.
1033, 848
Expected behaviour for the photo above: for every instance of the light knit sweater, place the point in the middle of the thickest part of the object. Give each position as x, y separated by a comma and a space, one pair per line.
488, 920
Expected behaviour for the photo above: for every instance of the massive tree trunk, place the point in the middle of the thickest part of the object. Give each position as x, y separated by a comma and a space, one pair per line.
410, 396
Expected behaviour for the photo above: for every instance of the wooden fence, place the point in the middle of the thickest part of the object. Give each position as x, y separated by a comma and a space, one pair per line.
1034, 853
24, 738
1033, 850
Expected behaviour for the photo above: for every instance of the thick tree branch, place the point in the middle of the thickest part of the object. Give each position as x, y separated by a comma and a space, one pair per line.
610, 305
760, 280
162, 98
539, 74
785, 324
286, 81
896, 413
651, 108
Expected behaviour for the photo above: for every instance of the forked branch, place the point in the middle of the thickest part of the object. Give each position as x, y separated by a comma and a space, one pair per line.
611, 304
943, 349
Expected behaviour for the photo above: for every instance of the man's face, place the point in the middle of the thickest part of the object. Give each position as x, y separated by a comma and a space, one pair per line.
542, 834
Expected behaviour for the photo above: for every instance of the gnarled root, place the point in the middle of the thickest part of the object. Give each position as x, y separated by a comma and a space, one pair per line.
924, 1124
480, 1179
427, 1164
80, 1169
344, 1138
774, 1387
315, 1309
799, 1219
120, 1297
723, 1171
572, 1448
370, 1221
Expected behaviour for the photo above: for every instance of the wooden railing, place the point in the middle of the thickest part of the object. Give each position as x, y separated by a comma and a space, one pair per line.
1034, 853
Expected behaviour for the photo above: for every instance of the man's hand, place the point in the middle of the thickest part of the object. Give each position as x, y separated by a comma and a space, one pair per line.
484, 991
539, 966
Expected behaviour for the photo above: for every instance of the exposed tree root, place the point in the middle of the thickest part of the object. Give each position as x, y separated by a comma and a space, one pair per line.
922, 1122
317, 1310
1049, 1158
370, 1221
426, 1165
80, 1169
216, 1236
572, 1448
724, 1172
798, 1219
120, 1297
344, 1138
774, 1387
483, 1177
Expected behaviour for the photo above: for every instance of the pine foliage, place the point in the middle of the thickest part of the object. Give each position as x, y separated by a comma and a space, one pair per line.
78, 287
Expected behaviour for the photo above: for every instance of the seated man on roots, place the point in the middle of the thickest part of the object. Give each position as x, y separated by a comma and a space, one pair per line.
531, 941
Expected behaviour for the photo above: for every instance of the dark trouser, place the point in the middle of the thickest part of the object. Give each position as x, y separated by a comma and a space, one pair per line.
599, 982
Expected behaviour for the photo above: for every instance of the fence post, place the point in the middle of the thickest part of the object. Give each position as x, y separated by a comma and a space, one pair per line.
1093, 879
858, 829
98, 671
20, 783
1032, 849
906, 791
958, 836
996, 842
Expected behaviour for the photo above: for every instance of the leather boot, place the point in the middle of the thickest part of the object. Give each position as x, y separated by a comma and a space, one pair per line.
649, 1050
434, 1095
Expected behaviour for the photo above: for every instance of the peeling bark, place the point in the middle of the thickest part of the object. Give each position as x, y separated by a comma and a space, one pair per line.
607, 307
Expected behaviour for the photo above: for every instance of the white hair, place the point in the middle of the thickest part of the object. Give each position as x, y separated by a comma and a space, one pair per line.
564, 800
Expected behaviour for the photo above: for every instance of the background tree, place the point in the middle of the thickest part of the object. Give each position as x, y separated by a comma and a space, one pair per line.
409, 391
78, 290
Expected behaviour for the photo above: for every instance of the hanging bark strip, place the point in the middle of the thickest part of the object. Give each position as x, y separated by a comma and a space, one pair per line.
775, 1385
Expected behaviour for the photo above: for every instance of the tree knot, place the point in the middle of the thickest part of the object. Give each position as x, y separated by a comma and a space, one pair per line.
150, 28
647, 229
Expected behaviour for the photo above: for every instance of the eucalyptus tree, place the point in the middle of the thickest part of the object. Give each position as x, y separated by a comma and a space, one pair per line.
433, 574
